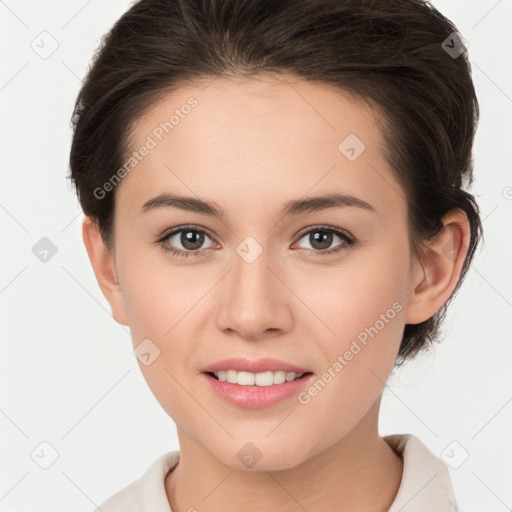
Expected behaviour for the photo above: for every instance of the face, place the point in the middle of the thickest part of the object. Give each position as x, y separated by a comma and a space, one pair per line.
322, 285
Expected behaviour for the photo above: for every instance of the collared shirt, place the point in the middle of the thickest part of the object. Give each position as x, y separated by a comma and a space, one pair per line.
425, 484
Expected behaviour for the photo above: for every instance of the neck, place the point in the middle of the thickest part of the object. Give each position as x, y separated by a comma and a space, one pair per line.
360, 472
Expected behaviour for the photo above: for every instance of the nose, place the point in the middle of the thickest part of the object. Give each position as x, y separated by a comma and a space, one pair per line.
254, 300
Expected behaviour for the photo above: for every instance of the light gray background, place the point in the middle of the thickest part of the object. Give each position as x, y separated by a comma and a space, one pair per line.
68, 374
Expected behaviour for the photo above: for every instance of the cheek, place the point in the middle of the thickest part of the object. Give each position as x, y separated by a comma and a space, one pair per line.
361, 311
356, 299
357, 365
159, 312
156, 295
163, 306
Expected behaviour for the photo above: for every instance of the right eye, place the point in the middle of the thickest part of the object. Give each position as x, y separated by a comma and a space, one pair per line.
191, 239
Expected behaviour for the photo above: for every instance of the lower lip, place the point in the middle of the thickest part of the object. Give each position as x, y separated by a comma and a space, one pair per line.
256, 397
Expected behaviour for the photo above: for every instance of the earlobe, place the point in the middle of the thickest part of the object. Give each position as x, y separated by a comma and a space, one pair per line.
435, 279
103, 265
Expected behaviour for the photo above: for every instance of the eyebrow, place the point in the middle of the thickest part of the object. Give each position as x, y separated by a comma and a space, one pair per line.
292, 207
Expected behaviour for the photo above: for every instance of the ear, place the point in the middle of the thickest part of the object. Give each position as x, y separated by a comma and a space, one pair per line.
435, 279
103, 264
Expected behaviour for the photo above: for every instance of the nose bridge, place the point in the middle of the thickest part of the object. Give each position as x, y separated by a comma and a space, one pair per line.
254, 301
252, 279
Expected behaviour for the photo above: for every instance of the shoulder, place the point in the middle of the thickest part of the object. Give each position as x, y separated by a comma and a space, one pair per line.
146, 493
426, 483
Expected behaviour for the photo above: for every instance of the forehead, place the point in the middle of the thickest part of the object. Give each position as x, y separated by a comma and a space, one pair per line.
257, 108
260, 137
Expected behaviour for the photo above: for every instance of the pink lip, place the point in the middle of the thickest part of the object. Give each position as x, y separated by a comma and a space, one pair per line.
254, 366
256, 397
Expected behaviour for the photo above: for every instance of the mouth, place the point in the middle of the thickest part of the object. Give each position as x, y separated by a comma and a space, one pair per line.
262, 379
256, 383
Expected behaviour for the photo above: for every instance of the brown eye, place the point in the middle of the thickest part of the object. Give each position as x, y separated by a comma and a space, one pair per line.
321, 239
184, 241
191, 240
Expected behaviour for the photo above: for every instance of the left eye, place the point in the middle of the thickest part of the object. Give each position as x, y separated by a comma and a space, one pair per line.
322, 238
193, 238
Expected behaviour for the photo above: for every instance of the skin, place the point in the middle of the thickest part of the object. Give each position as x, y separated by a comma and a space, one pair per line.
250, 146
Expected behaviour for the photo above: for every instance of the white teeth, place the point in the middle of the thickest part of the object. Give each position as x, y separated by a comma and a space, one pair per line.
258, 379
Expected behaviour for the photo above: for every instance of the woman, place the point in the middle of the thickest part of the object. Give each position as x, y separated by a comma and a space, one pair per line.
275, 205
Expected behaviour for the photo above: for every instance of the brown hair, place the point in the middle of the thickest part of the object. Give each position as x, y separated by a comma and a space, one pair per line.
403, 57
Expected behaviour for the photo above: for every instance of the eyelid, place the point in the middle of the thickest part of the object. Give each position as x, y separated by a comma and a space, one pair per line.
324, 227
192, 227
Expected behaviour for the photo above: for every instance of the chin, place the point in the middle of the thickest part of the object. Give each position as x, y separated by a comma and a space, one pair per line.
262, 455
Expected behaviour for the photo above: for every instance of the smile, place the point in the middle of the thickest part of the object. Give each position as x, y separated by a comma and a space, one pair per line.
267, 378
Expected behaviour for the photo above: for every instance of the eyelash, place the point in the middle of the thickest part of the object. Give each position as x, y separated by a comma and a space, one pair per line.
349, 241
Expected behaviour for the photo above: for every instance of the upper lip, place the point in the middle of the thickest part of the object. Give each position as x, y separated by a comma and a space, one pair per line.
241, 364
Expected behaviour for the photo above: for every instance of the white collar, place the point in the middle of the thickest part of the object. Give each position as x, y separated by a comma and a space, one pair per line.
426, 484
